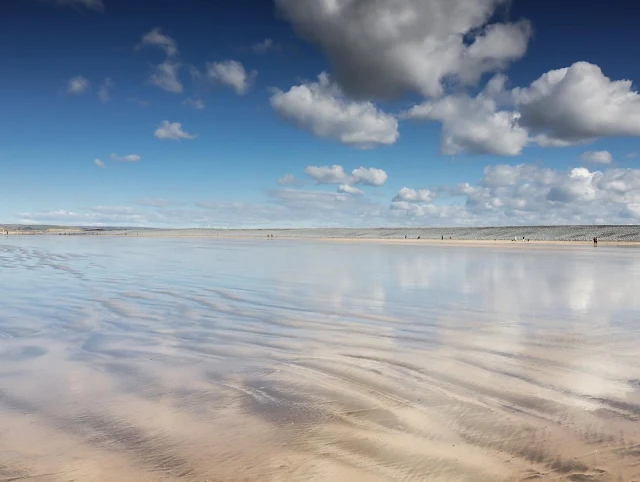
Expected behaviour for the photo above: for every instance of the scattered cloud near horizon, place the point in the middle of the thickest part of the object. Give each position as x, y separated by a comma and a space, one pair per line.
127, 158
348, 189
597, 157
337, 175
412, 195
523, 194
289, 180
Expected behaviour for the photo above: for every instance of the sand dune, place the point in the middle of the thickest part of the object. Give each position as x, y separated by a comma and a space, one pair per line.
188, 359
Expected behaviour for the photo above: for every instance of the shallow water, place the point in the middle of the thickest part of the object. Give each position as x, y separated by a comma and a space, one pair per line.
204, 359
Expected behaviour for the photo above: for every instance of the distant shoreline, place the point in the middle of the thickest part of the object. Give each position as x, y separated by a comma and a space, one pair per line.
622, 235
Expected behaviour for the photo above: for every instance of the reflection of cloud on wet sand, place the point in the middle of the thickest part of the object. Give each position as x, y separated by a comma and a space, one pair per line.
270, 361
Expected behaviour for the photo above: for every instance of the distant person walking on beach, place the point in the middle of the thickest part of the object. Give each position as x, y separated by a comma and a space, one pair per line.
595, 241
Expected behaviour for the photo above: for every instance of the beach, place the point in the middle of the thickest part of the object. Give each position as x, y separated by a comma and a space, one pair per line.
149, 355
558, 233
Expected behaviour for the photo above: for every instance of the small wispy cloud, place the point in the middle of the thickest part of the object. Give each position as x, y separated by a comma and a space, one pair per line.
165, 76
78, 85
347, 189
232, 73
265, 46
197, 104
155, 38
172, 131
289, 180
127, 158
98, 163
104, 92
137, 101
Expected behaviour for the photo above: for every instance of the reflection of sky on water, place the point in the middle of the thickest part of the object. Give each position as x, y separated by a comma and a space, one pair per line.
182, 299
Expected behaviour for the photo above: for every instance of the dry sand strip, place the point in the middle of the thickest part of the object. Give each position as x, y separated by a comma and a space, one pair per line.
627, 235
569, 233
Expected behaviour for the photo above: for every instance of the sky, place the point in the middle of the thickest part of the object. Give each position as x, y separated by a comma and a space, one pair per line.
319, 113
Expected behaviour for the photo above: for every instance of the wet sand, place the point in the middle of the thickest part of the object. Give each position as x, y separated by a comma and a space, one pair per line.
232, 360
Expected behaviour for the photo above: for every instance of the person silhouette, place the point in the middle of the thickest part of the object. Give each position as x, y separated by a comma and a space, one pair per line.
595, 241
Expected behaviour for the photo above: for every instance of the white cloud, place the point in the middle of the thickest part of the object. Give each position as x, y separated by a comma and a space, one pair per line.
327, 174
96, 5
197, 104
631, 155
289, 180
565, 107
127, 158
411, 213
526, 194
165, 76
321, 108
385, 48
78, 85
173, 131
155, 38
347, 189
417, 196
522, 194
579, 104
597, 157
103, 92
231, 73
336, 175
98, 163
264, 46
369, 176
475, 125
530, 194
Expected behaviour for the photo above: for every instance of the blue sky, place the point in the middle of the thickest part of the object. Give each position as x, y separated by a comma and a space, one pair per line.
319, 113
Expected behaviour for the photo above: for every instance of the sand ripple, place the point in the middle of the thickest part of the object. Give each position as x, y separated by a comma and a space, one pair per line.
177, 359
